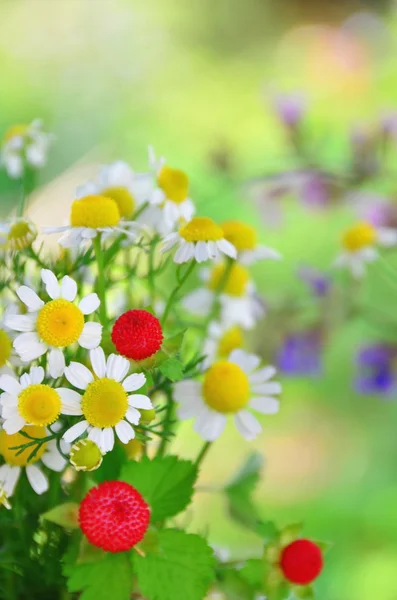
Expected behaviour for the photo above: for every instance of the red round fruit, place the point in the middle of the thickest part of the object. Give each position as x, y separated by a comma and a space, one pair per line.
301, 562
137, 334
114, 516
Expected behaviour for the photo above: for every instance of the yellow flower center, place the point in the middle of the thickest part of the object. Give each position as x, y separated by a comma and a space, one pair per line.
236, 281
226, 387
60, 323
85, 455
134, 449
95, 212
39, 404
21, 235
123, 198
104, 403
9, 442
174, 183
241, 235
359, 236
15, 131
230, 340
5, 347
201, 229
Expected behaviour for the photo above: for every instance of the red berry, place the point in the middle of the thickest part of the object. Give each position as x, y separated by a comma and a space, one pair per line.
114, 516
301, 562
137, 334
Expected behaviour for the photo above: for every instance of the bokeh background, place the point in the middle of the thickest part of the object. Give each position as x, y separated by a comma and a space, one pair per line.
196, 79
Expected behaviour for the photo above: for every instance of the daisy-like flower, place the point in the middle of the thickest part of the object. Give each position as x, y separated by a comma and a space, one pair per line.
91, 216
201, 239
47, 454
239, 302
244, 239
29, 401
54, 325
229, 387
170, 202
360, 246
118, 181
106, 403
18, 234
8, 356
222, 339
25, 145
85, 455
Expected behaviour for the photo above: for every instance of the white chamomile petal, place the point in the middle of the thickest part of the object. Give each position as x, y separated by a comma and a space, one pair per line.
140, 401
51, 284
91, 336
117, 367
265, 405
98, 361
29, 298
71, 401
247, 425
24, 323
37, 479
75, 431
210, 424
10, 385
134, 382
56, 363
124, 432
78, 375
89, 304
68, 288
133, 415
13, 424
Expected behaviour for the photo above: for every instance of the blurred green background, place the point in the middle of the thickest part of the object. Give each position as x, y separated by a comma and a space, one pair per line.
194, 78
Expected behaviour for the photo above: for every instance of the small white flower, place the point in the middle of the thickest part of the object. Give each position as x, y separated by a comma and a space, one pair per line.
106, 404
200, 239
360, 246
17, 234
25, 145
229, 387
222, 338
30, 402
8, 355
244, 239
54, 325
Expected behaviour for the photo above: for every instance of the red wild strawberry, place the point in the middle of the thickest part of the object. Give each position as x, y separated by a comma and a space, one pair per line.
301, 562
137, 334
114, 516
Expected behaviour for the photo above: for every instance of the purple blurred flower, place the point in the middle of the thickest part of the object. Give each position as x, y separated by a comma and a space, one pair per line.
389, 124
290, 108
315, 190
318, 282
377, 374
300, 354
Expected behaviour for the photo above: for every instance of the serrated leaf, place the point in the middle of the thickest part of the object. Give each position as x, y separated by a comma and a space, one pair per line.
182, 568
166, 483
109, 577
65, 515
172, 369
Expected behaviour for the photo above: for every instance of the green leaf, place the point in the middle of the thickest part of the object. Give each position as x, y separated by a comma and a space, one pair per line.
173, 344
65, 515
290, 533
166, 483
182, 568
172, 369
305, 592
324, 546
111, 465
253, 573
109, 577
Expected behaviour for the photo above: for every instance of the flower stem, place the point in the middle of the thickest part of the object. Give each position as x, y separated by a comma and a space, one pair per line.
101, 281
166, 425
176, 290
202, 454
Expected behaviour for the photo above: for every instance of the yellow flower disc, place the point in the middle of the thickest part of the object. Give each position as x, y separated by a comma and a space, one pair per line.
241, 235
85, 455
236, 283
17, 439
359, 236
60, 323
14, 131
5, 347
201, 229
230, 340
95, 212
174, 183
21, 235
123, 198
39, 404
226, 387
104, 403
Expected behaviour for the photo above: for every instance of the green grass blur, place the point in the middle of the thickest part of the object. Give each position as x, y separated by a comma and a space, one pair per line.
193, 79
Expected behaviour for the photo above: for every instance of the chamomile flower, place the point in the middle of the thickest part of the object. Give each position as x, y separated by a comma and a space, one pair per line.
239, 302
118, 181
229, 387
106, 404
15, 462
54, 325
8, 356
29, 401
91, 216
169, 202
201, 239
221, 340
360, 246
25, 145
17, 234
244, 239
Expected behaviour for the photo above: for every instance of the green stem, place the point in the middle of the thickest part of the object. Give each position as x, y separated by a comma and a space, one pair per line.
176, 290
166, 426
27, 185
101, 281
151, 271
202, 454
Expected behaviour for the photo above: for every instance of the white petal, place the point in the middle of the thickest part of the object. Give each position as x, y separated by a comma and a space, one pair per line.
29, 298
29, 347
36, 375
227, 248
198, 302
191, 408
181, 254
91, 336
95, 435
201, 252
133, 415
51, 283
9, 478
140, 401
68, 288
37, 479
21, 322
269, 388
387, 236
98, 361
8, 400
117, 367
125, 432
265, 405
210, 424
247, 425
78, 375
54, 460
213, 250
187, 390
247, 257
11, 414
134, 382
71, 401
263, 374
108, 439
89, 304
56, 363
248, 362
75, 431
10, 384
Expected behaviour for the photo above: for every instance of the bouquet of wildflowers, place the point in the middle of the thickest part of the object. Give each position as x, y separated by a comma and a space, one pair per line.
136, 322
